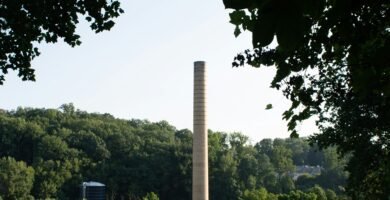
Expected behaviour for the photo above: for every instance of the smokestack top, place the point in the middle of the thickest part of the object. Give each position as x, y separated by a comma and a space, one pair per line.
199, 63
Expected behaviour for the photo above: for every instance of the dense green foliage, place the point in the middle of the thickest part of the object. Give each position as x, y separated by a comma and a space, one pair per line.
16, 179
332, 61
24, 23
56, 150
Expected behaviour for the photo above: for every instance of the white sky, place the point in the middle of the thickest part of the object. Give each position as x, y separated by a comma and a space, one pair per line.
143, 69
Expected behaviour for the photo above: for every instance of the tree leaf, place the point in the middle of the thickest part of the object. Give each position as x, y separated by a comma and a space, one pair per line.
294, 134
264, 30
238, 4
268, 107
237, 31
282, 72
290, 30
237, 17
314, 8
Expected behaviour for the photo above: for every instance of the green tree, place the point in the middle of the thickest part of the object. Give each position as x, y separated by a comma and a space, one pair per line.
247, 168
237, 142
297, 195
286, 184
321, 194
282, 160
16, 179
270, 182
299, 148
225, 178
18, 138
259, 194
151, 196
26, 23
331, 61
315, 156
305, 181
265, 146
331, 159
49, 177
68, 109
330, 194
90, 144
264, 168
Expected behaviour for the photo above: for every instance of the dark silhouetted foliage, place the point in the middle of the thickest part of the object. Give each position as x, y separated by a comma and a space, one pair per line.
331, 58
23, 24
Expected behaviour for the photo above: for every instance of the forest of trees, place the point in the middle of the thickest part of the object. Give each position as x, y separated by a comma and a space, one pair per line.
48, 153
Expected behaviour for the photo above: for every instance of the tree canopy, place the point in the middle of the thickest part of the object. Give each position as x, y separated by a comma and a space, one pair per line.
332, 61
48, 153
24, 24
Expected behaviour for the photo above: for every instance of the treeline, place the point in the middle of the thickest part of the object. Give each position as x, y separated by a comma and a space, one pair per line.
48, 153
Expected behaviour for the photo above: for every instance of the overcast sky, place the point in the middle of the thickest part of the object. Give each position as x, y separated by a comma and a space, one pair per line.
143, 69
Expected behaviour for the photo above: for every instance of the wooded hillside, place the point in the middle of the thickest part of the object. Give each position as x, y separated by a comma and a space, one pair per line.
48, 153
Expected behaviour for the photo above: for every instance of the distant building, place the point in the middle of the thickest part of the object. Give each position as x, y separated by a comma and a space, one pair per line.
306, 169
93, 191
